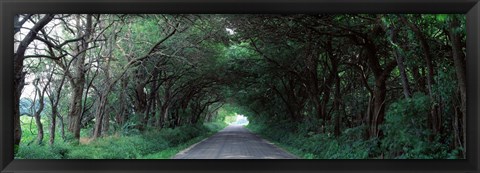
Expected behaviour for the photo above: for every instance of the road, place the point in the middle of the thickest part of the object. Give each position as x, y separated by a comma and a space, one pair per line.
234, 142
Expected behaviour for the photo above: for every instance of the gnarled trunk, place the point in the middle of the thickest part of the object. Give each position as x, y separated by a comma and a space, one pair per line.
377, 115
19, 74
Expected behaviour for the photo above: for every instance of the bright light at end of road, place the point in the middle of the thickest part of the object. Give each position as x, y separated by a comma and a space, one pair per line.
240, 120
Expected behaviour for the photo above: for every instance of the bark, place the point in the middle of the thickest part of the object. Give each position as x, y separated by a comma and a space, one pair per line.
53, 124
336, 105
37, 113
62, 127
106, 119
459, 61
54, 100
120, 117
86, 116
312, 81
106, 92
19, 74
400, 59
152, 98
159, 117
41, 94
326, 90
333, 79
162, 116
457, 141
78, 80
164, 109
377, 115
426, 52
292, 100
100, 113
140, 99
378, 107
433, 116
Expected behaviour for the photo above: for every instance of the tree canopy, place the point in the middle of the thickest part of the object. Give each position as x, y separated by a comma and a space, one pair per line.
355, 85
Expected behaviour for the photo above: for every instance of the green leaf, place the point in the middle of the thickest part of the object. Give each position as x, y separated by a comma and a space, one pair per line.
441, 17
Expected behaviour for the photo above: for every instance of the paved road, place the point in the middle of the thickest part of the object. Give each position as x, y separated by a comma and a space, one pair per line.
234, 142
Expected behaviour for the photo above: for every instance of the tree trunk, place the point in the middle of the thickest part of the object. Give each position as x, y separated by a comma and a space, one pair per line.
336, 105
19, 74
459, 61
399, 54
426, 52
37, 113
100, 113
54, 100
39, 127
433, 116
62, 127
140, 97
75, 111
380, 91
120, 117
106, 119
53, 124
378, 107
163, 117
76, 106
106, 92
312, 82
152, 98
41, 94
323, 105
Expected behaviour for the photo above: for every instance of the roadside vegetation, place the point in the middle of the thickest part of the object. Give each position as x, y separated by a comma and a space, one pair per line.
324, 86
130, 144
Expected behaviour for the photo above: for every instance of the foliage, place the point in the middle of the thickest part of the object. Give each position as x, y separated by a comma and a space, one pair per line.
406, 132
315, 146
321, 85
163, 144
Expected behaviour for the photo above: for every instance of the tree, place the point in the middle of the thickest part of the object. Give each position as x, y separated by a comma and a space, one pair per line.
18, 58
459, 61
40, 93
353, 81
54, 97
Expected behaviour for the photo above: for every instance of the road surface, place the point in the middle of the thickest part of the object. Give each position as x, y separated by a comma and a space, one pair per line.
234, 142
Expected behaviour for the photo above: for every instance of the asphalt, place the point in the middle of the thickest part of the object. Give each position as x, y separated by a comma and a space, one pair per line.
234, 142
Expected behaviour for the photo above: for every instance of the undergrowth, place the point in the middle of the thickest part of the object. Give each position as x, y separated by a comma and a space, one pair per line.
406, 136
151, 144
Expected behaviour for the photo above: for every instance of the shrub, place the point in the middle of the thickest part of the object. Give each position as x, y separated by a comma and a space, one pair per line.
41, 151
153, 143
308, 144
406, 134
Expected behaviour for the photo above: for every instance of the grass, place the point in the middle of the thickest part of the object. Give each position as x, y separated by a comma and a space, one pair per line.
170, 152
293, 150
312, 146
290, 149
151, 144
350, 145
